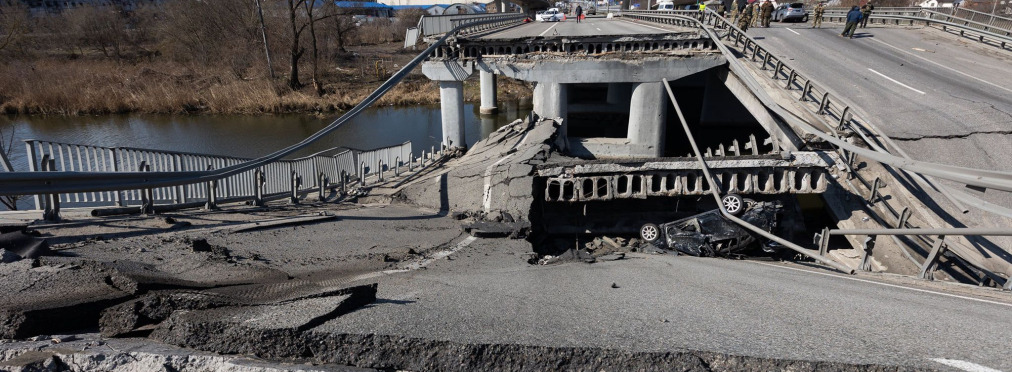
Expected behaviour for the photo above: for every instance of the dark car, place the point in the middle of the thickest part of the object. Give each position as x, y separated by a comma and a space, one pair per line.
791, 12
710, 233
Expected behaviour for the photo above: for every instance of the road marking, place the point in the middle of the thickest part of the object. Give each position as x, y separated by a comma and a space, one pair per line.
486, 202
789, 29
943, 66
887, 284
598, 28
964, 365
548, 29
894, 80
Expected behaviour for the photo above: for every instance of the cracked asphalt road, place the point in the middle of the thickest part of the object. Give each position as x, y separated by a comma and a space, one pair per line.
945, 99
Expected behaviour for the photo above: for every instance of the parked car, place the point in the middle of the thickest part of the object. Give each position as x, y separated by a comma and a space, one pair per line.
550, 15
790, 12
711, 234
591, 10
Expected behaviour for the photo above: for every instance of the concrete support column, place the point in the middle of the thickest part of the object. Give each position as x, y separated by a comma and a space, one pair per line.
647, 117
618, 93
551, 100
451, 99
488, 93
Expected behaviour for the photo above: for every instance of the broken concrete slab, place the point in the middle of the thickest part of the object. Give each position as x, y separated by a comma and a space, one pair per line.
24, 244
496, 174
155, 307
244, 329
48, 299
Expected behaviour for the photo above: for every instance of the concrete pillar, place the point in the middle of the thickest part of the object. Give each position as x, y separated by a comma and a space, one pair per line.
451, 99
487, 125
488, 93
618, 93
551, 100
647, 117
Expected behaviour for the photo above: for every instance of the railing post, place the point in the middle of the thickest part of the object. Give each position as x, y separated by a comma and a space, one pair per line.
931, 262
212, 192
379, 170
258, 187
361, 177
873, 194
33, 166
824, 104
843, 117
147, 194
824, 242
115, 168
411, 162
343, 181
422, 160
295, 183
904, 216
322, 181
397, 166
866, 253
52, 201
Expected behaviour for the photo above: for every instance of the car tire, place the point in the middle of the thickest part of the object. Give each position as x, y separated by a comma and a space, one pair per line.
733, 204
804, 20
650, 233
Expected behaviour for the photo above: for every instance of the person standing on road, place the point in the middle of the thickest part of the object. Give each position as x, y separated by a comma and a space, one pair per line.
767, 9
745, 19
853, 18
734, 11
820, 9
755, 13
866, 14
579, 13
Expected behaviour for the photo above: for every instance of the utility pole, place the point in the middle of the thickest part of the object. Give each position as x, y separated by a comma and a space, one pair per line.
263, 32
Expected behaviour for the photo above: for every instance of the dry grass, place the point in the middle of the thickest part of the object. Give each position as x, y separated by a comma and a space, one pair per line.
91, 87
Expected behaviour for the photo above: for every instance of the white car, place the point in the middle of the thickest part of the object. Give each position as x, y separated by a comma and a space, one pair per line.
550, 15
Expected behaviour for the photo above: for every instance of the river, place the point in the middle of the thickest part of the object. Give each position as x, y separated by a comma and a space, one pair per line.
250, 136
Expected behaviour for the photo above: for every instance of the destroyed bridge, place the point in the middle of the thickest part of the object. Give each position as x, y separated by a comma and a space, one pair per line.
646, 117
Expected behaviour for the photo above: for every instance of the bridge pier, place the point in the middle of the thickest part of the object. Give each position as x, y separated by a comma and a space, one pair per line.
488, 93
551, 100
648, 110
451, 76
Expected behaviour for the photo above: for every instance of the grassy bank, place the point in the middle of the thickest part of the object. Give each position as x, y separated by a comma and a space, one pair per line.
93, 87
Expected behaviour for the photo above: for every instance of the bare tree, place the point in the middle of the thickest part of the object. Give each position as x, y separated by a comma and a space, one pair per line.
300, 17
14, 24
6, 146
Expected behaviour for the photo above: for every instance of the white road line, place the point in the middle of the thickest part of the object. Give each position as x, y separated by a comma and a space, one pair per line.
943, 66
598, 28
887, 284
486, 198
894, 80
789, 29
964, 365
548, 29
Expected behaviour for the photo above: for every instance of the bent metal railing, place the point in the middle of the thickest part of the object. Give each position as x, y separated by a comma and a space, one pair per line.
80, 180
335, 165
847, 119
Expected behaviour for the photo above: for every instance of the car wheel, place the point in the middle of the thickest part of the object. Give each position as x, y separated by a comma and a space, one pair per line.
804, 20
733, 203
650, 233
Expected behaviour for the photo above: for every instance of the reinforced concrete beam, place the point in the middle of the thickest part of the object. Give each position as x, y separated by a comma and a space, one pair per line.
551, 100
569, 71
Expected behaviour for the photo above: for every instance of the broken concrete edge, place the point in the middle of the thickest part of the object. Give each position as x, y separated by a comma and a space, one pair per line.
389, 352
154, 308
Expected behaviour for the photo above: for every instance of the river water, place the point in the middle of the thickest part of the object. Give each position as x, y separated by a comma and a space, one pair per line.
250, 136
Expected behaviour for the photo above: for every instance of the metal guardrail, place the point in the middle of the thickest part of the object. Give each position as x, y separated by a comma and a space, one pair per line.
847, 119
987, 18
983, 31
61, 182
335, 165
442, 24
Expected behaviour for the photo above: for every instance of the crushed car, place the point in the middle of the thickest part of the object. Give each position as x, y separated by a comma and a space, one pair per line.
710, 234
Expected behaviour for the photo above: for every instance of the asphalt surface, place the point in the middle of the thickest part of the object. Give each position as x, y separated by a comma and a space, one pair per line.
589, 27
945, 99
488, 294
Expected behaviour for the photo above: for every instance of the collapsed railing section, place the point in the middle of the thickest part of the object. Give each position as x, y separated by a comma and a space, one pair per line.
916, 172
286, 177
442, 24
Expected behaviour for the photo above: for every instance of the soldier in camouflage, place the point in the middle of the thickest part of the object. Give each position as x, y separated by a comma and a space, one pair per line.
746, 18
767, 9
819, 10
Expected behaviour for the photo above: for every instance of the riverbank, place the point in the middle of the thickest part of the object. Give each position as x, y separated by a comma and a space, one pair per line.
72, 87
